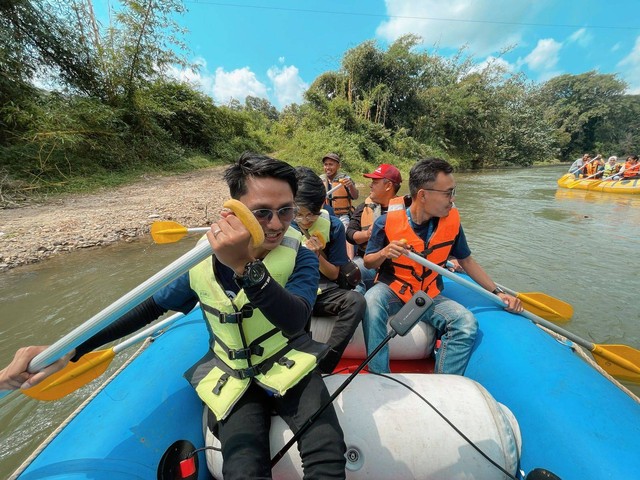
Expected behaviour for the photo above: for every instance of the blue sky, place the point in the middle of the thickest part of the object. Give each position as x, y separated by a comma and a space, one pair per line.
276, 48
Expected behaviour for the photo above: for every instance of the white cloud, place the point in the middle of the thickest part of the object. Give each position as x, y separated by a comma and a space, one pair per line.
237, 84
545, 56
222, 85
288, 86
456, 23
492, 61
630, 66
582, 37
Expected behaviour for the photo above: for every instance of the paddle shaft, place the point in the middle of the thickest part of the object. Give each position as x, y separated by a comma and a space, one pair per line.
120, 306
582, 166
329, 192
497, 300
185, 230
598, 350
147, 332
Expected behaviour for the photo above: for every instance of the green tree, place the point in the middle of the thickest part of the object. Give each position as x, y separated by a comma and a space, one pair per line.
577, 106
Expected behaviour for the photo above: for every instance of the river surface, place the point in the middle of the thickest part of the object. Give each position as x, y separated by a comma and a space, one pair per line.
526, 232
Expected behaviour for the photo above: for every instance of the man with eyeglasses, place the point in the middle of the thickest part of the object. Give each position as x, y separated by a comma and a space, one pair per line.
257, 302
325, 237
385, 183
427, 223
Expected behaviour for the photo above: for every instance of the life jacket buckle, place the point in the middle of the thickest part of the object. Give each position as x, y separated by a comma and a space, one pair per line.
221, 381
249, 372
286, 362
244, 353
415, 275
234, 317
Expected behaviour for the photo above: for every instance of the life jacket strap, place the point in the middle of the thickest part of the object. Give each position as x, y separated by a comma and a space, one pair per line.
221, 382
244, 353
233, 317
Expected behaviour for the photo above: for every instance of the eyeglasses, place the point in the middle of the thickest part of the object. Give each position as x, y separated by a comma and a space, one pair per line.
449, 193
306, 218
265, 215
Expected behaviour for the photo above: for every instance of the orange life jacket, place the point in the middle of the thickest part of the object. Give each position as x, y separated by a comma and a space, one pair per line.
340, 200
367, 218
631, 170
368, 214
407, 276
592, 168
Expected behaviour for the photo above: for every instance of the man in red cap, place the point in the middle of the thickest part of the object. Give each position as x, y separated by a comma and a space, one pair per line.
385, 183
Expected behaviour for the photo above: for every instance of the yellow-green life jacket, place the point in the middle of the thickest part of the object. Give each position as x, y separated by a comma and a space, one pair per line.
322, 225
245, 345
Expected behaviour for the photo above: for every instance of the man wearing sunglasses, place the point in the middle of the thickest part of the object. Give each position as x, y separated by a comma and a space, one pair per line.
428, 224
257, 302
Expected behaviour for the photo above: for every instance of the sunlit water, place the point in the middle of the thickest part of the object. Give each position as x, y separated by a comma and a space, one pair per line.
526, 232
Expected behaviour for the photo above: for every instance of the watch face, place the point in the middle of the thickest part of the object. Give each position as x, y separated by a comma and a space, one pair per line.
255, 272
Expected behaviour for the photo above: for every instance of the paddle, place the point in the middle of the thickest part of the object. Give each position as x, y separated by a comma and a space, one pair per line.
581, 167
541, 304
576, 182
329, 192
620, 361
169, 232
139, 294
89, 367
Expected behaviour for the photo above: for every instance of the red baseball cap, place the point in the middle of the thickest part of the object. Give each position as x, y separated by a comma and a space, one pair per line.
387, 171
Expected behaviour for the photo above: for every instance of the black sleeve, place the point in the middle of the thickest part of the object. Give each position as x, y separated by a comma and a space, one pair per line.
354, 223
130, 322
290, 313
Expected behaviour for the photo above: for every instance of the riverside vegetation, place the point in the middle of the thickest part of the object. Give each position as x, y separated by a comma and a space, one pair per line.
112, 113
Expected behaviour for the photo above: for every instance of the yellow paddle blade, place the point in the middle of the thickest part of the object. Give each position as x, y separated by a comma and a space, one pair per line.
72, 377
167, 231
546, 306
320, 238
620, 361
249, 220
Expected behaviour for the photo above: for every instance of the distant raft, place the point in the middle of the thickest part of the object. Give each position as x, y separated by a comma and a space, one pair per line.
610, 186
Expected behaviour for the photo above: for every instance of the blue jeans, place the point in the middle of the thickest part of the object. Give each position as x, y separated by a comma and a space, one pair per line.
455, 325
368, 275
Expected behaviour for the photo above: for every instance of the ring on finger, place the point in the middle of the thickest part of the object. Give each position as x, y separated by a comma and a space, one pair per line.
216, 232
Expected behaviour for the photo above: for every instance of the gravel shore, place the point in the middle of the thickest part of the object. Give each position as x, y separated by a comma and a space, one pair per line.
32, 233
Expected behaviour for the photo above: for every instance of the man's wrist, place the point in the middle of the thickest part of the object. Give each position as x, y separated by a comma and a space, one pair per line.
254, 273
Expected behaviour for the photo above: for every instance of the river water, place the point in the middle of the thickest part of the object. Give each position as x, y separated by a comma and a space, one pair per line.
526, 232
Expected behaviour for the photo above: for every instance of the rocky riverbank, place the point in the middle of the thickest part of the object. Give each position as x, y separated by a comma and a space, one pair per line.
32, 233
